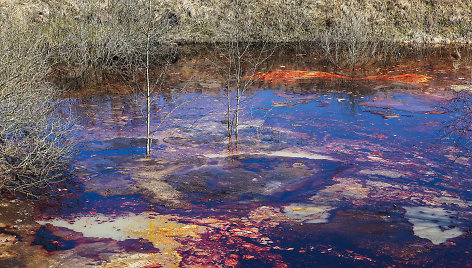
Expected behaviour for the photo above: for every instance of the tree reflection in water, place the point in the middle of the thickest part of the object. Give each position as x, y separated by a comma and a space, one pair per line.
459, 127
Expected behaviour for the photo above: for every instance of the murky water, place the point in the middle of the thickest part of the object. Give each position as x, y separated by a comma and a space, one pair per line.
330, 169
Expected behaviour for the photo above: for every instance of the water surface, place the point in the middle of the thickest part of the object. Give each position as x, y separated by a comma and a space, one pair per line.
331, 168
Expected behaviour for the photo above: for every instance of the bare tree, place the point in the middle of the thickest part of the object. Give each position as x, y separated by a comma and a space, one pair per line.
242, 49
155, 28
349, 39
145, 67
127, 40
458, 130
148, 83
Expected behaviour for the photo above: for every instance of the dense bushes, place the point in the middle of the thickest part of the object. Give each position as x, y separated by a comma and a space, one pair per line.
202, 20
103, 39
35, 145
95, 38
69, 47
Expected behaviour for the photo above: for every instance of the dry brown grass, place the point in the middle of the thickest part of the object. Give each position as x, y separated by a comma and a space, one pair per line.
295, 20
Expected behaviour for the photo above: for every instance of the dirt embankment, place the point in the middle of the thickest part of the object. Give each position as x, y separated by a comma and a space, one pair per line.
422, 21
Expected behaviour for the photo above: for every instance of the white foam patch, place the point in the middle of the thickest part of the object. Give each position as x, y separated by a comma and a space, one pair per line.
308, 213
255, 123
101, 226
385, 173
272, 186
432, 223
306, 155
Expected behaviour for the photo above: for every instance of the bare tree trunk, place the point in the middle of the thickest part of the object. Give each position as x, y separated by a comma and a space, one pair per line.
236, 124
148, 93
238, 102
238, 50
238, 88
228, 113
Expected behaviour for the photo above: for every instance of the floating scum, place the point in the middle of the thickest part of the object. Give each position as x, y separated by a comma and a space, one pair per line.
280, 76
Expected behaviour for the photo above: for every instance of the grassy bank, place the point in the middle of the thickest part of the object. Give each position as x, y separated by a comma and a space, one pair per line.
422, 21
94, 40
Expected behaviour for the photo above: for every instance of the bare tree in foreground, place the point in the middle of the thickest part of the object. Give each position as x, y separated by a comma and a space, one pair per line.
133, 43
155, 29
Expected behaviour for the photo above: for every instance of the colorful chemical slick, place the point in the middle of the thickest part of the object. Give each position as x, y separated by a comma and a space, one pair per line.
326, 172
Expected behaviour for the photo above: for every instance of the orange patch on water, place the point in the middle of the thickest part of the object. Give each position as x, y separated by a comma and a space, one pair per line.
292, 76
279, 76
404, 78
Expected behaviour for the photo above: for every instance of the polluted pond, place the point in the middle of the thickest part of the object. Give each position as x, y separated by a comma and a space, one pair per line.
333, 169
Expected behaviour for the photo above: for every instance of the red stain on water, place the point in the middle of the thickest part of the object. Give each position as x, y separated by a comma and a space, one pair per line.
403, 78
279, 76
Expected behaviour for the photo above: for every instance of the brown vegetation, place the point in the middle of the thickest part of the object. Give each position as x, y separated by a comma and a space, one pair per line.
95, 39
434, 21
35, 148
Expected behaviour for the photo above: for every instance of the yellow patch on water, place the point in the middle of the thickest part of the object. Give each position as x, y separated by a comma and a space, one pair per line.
163, 232
299, 209
137, 261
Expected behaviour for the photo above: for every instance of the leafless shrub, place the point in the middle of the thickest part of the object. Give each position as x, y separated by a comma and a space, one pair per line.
349, 40
35, 144
107, 38
241, 52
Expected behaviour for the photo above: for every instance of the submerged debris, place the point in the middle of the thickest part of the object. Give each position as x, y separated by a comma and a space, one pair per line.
127, 260
284, 153
304, 157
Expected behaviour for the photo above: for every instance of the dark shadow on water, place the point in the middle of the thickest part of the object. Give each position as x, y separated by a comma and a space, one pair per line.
50, 242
